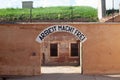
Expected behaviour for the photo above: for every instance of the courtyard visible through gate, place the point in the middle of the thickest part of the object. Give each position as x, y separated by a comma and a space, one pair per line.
60, 69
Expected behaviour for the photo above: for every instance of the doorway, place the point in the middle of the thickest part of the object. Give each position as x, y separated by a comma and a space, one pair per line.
61, 49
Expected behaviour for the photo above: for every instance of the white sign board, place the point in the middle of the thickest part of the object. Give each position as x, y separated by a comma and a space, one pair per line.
61, 28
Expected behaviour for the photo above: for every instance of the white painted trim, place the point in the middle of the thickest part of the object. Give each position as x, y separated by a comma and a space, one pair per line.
81, 55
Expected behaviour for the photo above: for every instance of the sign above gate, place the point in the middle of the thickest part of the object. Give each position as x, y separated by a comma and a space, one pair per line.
61, 28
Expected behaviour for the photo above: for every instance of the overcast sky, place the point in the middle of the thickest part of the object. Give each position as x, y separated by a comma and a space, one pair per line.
47, 3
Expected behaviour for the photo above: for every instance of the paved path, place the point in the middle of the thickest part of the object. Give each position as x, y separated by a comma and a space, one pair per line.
61, 69
65, 73
66, 76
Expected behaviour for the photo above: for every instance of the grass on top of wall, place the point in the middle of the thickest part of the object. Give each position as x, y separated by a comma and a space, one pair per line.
84, 13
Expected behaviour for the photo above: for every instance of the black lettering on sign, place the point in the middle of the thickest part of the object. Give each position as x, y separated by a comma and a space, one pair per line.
54, 28
75, 32
71, 29
78, 34
46, 32
66, 29
82, 36
63, 28
41, 38
58, 28
42, 35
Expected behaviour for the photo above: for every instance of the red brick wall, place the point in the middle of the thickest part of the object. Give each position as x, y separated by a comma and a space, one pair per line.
17, 46
20, 54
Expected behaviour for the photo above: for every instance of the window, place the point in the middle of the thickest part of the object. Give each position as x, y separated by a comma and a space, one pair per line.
53, 50
74, 49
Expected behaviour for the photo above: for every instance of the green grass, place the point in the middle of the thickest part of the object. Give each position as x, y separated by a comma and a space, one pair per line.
50, 13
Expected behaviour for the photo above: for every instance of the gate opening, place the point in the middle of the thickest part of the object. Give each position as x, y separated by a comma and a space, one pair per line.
61, 53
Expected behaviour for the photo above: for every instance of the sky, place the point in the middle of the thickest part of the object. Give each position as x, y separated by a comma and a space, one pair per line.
47, 3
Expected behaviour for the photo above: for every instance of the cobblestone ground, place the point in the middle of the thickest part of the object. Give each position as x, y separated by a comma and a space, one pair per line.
65, 73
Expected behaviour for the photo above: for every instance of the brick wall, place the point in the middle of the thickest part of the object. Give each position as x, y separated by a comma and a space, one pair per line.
20, 54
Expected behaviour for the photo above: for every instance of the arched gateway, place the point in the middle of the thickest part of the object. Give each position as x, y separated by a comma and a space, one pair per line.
62, 46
